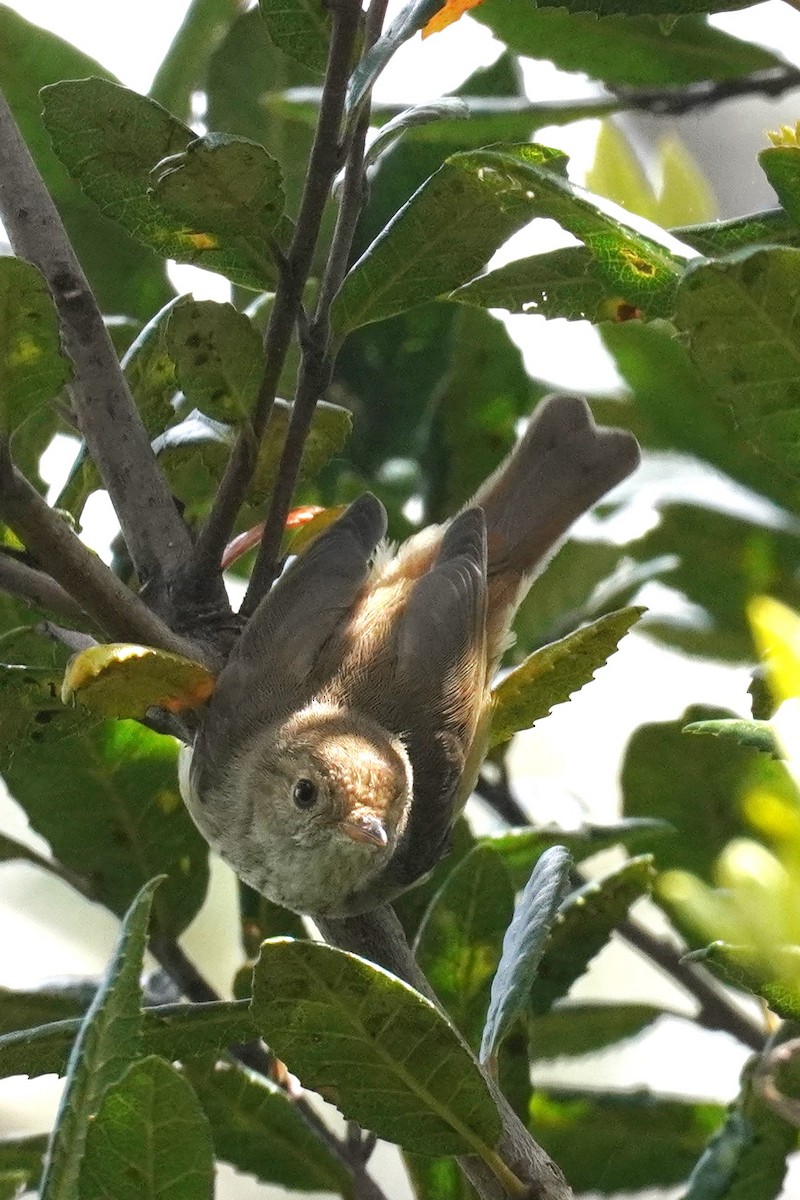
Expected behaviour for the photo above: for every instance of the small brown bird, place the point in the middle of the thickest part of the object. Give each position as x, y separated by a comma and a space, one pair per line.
348, 727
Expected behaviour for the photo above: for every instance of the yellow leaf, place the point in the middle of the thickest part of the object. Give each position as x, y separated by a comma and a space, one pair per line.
617, 174
776, 632
452, 10
121, 680
685, 196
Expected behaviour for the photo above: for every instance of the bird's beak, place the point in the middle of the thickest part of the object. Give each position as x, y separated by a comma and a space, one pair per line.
365, 827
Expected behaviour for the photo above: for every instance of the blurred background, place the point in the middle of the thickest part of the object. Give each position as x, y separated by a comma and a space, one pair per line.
566, 770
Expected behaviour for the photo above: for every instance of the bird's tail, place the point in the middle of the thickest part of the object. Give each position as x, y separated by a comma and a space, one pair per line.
562, 466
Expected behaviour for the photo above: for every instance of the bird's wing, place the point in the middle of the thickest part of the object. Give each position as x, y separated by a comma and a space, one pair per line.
281, 659
441, 676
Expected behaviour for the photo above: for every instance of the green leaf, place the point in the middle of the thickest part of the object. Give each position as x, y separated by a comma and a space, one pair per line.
577, 1029
551, 675
521, 849
149, 1138
121, 680
746, 1157
629, 50
110, 139
695, 783
124, 277
672, 393
25, 1009
173, 1031
524, 945
745, 968
408, 21
301, 28
438, 1178
584, 924
781, 165
469, 439
262, 919
33, 714
743, 332
195, 452
759, 735
21, 1163
373, 1046
562, 283
771, 227
108, 804
218, 357
257, 1129
109, 1039
458, 943
412, 906
423, 252
597, 1137
183, 68
228, 186
32, 367
150, 371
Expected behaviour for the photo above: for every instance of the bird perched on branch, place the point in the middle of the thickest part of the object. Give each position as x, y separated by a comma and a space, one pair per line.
348, 727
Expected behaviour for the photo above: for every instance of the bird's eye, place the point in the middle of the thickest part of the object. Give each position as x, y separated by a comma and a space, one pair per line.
304, 793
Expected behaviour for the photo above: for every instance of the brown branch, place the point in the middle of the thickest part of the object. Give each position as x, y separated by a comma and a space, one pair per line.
83, 575
256, 1057
324, 161
675, 101
319, 355
37, 589
378, 936
107, 416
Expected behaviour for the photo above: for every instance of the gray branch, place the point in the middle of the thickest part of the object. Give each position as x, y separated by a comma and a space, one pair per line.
37, 589
154, 530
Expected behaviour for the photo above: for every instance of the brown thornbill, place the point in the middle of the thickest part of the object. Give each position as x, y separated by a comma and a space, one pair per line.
347, 729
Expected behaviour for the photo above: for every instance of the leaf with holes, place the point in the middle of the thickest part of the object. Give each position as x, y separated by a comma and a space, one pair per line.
374, 1047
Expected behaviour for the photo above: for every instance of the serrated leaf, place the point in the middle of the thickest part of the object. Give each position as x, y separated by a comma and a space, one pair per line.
33, 368
423, 252
459, 940
122, 680
149, 1137
32, 713
408, 21
257, 1129
758, 735
21, 1010
577, 1029
107, 1043
773, 227
664, 773
583, 926
523, 946
109, 139
627, 46
412, 905
781, 165
108, 803
551, 675
744, 967
373, 1046
227, 186
520, 849
562, 283
300, 28
743, 332
173, 1031
218, 357
594, 1137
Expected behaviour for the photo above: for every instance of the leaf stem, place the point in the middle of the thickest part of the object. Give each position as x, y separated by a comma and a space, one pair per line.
154, 530
324, 162
83, 576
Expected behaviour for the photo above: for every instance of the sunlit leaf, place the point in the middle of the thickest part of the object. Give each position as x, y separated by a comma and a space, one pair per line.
452, 10
120, 680
759, 735
776, 631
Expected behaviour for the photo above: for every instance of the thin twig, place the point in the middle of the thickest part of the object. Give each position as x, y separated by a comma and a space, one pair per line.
324, 161
37, 589
257, 1058
675, 101
107, 416
318, 354
379, 937
83, 575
